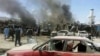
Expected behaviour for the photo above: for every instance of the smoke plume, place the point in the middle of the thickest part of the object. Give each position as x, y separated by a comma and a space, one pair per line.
49, 10
13, 7
53, 9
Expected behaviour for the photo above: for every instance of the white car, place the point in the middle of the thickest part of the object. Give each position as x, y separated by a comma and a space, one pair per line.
70, 34
82, 33
97, 45
64, 33
53, 33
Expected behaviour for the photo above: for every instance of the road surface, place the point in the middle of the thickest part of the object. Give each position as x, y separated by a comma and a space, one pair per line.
8, 44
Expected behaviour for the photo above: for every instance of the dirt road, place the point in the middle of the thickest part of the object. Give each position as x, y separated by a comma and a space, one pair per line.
8, 44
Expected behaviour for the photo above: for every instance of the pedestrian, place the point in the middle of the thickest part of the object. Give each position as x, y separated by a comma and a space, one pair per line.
6, 32
29, 34
11, 33
17, 36
21, 31
38, 31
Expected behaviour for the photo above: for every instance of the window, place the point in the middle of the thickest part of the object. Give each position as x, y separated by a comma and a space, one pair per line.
56, 45
68, 46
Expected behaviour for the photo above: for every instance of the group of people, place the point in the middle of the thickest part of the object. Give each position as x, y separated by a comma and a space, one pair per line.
8, 31
16, 34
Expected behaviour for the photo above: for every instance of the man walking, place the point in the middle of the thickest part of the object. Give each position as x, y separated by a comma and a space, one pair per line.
17, 36
11, 33
6, 32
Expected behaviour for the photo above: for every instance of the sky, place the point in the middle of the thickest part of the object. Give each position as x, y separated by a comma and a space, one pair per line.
81, 9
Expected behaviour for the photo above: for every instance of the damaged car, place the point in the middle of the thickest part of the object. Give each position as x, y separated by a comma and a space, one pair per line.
58, 46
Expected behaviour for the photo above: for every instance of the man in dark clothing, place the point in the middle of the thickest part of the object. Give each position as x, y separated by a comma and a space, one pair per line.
11, 33
38, 31
17, 35
81, 47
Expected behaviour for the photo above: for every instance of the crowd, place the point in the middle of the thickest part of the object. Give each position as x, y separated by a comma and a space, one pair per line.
17, 32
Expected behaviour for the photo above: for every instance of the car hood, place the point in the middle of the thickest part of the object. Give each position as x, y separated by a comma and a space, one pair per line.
96, 44
25, 47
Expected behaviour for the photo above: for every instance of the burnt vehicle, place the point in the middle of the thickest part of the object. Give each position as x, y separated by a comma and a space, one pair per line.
57, 46
45, 31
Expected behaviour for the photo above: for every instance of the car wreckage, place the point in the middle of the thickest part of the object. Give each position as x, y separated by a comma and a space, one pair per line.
57, 46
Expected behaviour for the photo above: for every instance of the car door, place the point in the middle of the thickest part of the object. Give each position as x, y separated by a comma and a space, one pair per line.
90, 51
52, 53
76, 54
44, 50
51, 48
43, 53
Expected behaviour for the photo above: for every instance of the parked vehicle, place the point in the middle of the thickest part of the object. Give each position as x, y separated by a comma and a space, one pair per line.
44, 32
70, 33
53, 33
65, 33
62, 33
82, 33
56, 46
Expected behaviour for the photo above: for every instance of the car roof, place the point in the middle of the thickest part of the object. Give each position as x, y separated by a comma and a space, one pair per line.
71, 38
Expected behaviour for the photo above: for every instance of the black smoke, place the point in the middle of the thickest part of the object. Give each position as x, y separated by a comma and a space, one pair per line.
67, 13
57, 8
14, 7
